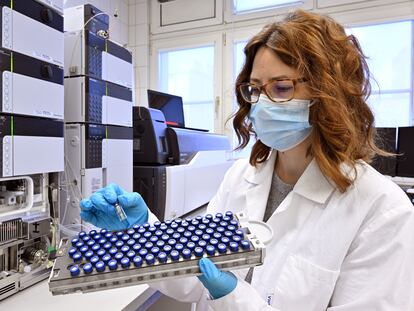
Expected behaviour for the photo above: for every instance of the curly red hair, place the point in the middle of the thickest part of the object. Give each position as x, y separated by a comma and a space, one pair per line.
338, 78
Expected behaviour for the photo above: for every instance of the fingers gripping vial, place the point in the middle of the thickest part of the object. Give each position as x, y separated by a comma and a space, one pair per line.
120, 212
146, 253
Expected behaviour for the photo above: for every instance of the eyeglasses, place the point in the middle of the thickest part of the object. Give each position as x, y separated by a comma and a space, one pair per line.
277, 90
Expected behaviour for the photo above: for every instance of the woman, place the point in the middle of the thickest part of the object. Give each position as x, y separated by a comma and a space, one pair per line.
343, 233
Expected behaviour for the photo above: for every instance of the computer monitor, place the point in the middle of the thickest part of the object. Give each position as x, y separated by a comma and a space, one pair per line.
386, 140
405, 162
170, 105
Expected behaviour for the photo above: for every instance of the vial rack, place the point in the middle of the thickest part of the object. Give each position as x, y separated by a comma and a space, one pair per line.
101, 260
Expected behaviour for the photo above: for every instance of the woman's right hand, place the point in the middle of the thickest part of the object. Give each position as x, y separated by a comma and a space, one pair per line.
99, 208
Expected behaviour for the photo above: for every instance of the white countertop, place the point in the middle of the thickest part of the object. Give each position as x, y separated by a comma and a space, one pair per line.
38, 297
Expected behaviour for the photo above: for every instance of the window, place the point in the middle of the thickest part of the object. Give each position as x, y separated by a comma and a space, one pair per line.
189, 73
389, 51
247, 6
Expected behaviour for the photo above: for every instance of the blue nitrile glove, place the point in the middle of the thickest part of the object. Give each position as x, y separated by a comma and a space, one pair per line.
218, 283
99, 209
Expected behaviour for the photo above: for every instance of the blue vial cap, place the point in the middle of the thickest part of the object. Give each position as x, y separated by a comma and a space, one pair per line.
125, 262
107, 245
179, 247
217, 235
223, 224
209, 231
86, 238
162, 257
231, 228
222, 248
72, 251
147, 234
95, 248
125, 249
172, 242
88, 255
245, 244
100, 266
131, 232
97, 237
119, 234
170, 231
142, 241
113, 251
229, 214
191, 246
180, 230
188, 219
77, 257
83, 233
167, 249
79, 244
113, 239
136, 227
163, 227
157, 224
206, 237
136, 236
149, 245
234, 246
228, 234
152, 229
94, 260
150, 259
198, 251
199, 217
212, 225
219, 215
216, 221
165, 237
187, 234
186, 253
74, 270
202, 227
168, 222
209, 216
205, 221
210, 249
214, 242
195, 238
146, 225
239, 232
185, 224
137, 261
141, 230
143, 252
174, 225
191, 228
226, 218
183, 240
176, 235
119, 244
225, 240
118, 256
112, 264
158, 233
130, 254
93, 232
108, 235
237, 239
87, 268
160, 243
198, 232
234, 222
178, 220
101, 253
102, 241
220, 229
131, 242
175, 255
136, 247
103, 231
74, 241
155, 251
153, 239
106, 258
125, 237
202, 244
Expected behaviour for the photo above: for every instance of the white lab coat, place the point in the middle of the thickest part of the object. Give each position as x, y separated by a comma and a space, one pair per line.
330, 250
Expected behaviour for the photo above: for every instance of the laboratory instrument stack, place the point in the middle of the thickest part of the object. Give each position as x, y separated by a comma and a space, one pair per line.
98, 108
32, 140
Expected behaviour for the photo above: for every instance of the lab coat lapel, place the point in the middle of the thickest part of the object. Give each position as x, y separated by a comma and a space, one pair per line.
259, 180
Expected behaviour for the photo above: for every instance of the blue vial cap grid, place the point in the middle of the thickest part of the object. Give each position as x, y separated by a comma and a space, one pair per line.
171, 240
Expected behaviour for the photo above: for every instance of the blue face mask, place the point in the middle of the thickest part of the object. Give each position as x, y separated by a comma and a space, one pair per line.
281, 126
